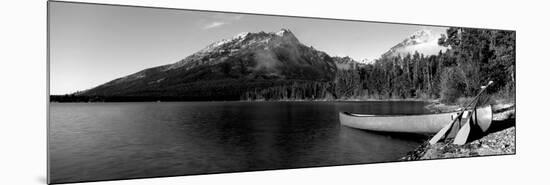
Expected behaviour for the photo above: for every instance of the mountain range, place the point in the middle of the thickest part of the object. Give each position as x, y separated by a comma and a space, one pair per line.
226, 69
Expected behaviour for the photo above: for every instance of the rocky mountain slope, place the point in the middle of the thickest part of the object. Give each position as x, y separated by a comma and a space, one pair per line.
226, 68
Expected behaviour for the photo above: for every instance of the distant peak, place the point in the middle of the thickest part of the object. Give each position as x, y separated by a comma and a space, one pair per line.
422, 41
423, 34
241, 35
243, 39
283, 32
286, 35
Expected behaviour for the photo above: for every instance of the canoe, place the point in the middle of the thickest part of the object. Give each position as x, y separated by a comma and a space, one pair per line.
422, 123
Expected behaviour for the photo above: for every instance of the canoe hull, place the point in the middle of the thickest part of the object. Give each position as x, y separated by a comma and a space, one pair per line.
425, 123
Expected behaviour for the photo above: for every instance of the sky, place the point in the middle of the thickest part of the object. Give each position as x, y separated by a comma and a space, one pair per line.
93, 44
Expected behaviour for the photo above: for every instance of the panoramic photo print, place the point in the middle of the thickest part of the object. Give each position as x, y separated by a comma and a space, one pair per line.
139, 92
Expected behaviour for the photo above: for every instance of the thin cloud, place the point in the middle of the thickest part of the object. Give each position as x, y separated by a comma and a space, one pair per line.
221, 19
213, 25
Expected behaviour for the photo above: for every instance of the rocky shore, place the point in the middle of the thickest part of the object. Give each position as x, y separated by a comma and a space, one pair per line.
500, 140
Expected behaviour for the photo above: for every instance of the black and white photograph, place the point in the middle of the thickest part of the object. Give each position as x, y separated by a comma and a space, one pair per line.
143, 92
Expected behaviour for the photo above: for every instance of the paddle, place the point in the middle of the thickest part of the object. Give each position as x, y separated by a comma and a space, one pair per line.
442, 132
445, 129
462, 134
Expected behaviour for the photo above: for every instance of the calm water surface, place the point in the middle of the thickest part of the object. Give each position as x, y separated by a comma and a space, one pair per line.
101, 141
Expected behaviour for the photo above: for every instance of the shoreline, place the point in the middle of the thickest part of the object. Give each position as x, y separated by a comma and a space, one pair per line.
500, 141
429, 101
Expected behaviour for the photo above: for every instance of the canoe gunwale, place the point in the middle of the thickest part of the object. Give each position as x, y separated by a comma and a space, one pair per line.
396, 115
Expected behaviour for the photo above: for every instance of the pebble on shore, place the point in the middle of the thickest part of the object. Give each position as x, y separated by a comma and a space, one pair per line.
498, 143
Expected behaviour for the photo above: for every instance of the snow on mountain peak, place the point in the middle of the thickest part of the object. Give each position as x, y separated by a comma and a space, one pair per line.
258, 37
282, 32
241, 35
237, 38
422, 33
216, 44
422, 41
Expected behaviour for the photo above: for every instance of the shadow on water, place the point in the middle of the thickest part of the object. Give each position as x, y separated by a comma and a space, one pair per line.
415, 137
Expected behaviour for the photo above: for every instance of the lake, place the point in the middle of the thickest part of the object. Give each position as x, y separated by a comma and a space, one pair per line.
105, 141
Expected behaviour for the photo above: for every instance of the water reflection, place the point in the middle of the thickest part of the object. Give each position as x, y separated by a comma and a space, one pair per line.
99, 141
